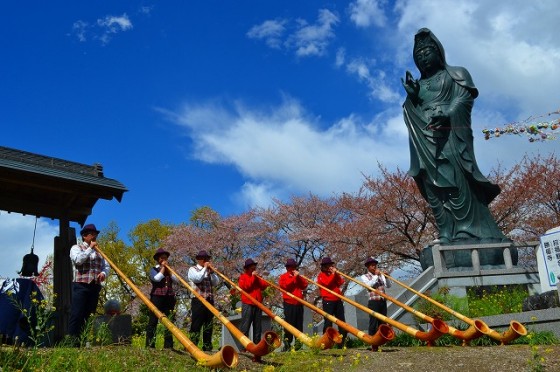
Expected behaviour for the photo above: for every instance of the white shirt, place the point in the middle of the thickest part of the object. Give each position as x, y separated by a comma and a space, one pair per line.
378, 282
197, 274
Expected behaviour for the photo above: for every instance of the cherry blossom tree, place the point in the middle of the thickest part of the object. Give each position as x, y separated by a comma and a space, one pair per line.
387, 218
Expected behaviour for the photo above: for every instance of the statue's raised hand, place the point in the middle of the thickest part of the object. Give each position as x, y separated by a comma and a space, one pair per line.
411, 85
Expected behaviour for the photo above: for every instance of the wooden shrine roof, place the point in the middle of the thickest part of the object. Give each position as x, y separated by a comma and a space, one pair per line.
49, 187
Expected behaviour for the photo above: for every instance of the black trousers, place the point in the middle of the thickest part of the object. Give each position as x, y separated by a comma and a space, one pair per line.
202, 320
84, 303
336, 309
379, 306
251, 314
165, 304
293, 314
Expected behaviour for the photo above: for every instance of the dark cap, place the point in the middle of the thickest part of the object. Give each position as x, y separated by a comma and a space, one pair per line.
249, 262
370, 261
327, 261
291, 262
159, 252
202, 254
89, 228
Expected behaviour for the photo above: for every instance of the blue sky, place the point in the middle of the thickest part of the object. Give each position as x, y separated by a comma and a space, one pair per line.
228, 104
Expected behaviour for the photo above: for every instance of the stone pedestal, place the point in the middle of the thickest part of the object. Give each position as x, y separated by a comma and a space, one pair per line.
474, 272
475, 256
441, 272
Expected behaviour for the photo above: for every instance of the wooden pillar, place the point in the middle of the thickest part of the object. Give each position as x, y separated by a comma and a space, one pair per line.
62, 277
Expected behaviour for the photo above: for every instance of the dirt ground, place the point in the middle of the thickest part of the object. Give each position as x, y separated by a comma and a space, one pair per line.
416, 359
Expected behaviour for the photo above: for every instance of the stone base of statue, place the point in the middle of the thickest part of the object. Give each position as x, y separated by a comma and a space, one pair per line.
459, 267
465, 256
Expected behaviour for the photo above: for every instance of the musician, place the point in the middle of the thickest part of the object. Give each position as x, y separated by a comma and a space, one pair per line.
374, 278
204, 280
250, 313
331, 279
291, 282
162, 296
90, 270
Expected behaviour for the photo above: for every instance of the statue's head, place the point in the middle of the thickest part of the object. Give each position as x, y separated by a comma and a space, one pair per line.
428, 52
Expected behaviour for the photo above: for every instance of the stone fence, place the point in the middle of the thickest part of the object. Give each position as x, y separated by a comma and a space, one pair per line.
459, 266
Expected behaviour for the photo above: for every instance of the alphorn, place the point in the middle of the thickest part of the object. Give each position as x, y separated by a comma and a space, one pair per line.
227, 357
270, 341
383, 335
463, 335
438, 327
329, 338
515, 330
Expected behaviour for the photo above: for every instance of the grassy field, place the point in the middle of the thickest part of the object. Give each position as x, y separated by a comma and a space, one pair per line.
394, 359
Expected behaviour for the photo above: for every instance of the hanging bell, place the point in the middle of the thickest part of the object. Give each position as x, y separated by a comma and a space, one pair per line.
30, 265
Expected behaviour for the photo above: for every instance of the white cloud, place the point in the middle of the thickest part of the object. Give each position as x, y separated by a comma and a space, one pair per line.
103, 29
111, 25
80, 29
380, 88
304, 39
13, 227
270, 31
313, 39
283, 150
395, 127
340, 57
365, 13
257, 195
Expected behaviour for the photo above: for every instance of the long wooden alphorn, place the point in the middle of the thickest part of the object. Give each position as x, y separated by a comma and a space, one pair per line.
467, 335
329, 338
227, 357
439, 327
477, 326
269, 342
384, 333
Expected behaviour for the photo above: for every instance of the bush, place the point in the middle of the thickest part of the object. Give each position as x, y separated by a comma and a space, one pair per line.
404, 339
538, 338
442, 296
495, 300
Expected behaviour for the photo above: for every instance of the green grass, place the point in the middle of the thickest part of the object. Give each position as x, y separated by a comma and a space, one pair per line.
105, 358
135, 357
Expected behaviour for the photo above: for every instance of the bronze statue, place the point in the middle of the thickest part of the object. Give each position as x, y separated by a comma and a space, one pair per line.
437, 112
